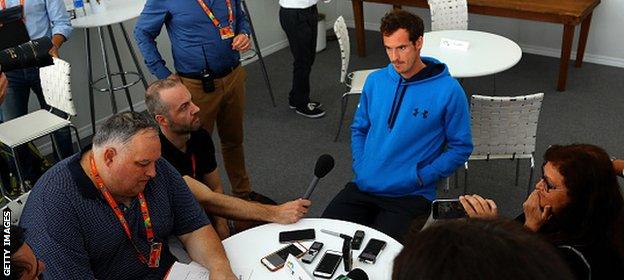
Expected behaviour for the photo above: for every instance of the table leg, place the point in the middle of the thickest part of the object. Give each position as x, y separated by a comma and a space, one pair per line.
90, 78
133, 54
566, 49
124, 82
107, 72
580, 51
358, 15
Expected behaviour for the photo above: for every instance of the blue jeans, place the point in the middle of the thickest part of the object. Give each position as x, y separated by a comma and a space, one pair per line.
21, 83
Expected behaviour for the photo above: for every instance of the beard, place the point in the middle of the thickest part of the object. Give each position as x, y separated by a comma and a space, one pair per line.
194, 125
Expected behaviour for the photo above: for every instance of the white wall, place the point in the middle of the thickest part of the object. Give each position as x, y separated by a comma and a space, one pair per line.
604, 45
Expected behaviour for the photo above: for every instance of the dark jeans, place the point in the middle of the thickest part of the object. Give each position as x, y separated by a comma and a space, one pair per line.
390, 215
301, 27
21, 82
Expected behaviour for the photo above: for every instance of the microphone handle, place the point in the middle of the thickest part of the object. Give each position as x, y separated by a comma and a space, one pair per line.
311, 187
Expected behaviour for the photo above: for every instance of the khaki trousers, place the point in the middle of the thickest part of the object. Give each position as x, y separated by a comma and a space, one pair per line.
225, 107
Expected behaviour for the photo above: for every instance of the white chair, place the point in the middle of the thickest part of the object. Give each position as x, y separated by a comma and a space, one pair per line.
16, 206
55, 83
448, 14
354, 81
504, 127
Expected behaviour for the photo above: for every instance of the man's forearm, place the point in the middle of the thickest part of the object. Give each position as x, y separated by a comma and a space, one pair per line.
58, 40
227, 206
204, 247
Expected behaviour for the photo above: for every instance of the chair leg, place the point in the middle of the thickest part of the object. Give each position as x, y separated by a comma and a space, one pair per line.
531, 176
465, 178
77, 138
90, 78
517, 170
456, 179
107, 70
133, 54
20, 180
343, 107
56, 148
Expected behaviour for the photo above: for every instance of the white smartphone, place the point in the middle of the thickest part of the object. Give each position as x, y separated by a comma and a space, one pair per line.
276, 260
328, 264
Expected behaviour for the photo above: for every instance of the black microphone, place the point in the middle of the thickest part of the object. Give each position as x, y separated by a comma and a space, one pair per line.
324, 164
355, 274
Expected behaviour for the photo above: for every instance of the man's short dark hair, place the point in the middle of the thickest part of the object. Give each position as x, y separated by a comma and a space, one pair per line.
121, 127
153, 102
396, 19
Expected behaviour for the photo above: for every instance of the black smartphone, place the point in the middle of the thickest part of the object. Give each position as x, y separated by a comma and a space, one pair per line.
312, 252
442, 209
276, 260
297, 235
328, 264
372, 250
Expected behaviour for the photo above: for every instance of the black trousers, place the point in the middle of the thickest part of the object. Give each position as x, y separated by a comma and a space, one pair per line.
301, 26
390, 215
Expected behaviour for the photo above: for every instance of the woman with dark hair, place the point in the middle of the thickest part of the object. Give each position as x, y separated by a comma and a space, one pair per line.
577, 203
478, 249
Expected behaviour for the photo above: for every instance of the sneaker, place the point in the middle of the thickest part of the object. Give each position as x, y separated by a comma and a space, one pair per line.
310, 111
316, 104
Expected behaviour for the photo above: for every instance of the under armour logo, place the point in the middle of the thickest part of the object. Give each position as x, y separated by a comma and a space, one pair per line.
425, 113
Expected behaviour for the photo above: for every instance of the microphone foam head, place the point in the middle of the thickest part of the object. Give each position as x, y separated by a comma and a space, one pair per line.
324, 164
357, 274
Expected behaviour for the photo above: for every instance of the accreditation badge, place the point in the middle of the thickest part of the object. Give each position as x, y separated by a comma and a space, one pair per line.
226, 32
154, 256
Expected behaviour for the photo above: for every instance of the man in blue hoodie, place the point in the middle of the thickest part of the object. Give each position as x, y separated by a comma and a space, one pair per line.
411, 129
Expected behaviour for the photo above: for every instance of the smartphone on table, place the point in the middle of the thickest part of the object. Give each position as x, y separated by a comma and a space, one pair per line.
328, 264
442, 209
297, 235
372, 250
276, 260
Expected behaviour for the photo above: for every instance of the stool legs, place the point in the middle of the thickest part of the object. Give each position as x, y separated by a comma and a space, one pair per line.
121, 70
107, 71
90, 77
133, 54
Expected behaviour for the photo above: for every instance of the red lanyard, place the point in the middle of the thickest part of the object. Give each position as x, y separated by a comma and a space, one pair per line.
212, 17
3, 3
124, 224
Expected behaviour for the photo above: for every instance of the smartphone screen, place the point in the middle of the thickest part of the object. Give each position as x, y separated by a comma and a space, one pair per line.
447, 209
278, 258
328, 264
296, 235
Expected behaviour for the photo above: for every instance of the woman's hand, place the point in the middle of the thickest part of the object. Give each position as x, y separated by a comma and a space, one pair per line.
534, 215
479, 207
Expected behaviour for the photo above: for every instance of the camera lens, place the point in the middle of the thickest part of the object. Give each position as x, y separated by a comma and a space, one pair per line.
30, 54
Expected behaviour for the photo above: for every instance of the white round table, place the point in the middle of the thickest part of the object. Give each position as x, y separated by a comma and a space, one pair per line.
245, 249
487, 53
115, 12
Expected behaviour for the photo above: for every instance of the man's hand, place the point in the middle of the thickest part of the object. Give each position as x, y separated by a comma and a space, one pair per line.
290, 212
241, 43
54, 52
534, 215
222, 275
222, 228
57, 42
4, 85
479, 207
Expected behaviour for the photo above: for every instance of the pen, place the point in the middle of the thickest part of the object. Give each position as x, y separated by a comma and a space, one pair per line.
342, 235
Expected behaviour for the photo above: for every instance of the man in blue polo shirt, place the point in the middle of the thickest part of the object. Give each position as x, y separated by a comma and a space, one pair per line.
206, 38
108, 213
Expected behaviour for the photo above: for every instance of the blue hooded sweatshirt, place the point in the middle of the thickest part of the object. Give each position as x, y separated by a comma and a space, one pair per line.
406, 135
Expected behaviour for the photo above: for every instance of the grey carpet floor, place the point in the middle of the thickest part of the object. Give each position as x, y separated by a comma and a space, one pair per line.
281, 147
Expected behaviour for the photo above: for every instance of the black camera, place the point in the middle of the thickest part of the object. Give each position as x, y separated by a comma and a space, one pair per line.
35, 53
207, 79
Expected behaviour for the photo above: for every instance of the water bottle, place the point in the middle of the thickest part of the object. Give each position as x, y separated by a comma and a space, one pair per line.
79, 8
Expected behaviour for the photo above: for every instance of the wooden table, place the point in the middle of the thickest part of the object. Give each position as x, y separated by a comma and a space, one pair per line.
570, 13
